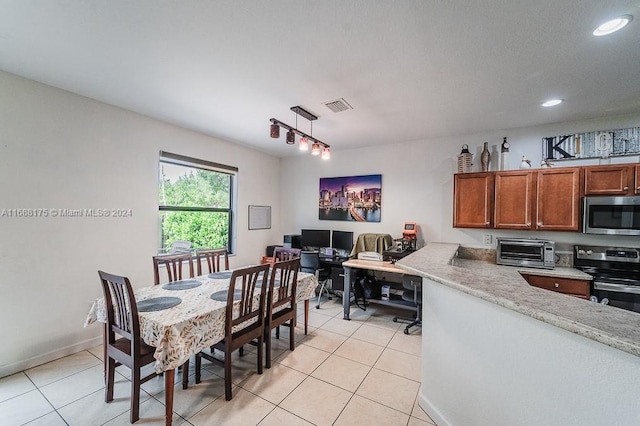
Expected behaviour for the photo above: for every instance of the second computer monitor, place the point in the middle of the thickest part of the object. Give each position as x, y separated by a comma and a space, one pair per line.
342, 240
318, 238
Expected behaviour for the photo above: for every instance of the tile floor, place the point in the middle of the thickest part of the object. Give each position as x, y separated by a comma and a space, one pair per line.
360, 372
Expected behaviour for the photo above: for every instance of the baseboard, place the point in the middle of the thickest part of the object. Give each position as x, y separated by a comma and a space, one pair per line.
16, 367
431, 410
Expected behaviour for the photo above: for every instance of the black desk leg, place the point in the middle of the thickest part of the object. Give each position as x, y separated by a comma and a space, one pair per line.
346, 293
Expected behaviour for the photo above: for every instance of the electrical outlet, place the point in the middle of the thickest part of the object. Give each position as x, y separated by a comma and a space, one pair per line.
488, 239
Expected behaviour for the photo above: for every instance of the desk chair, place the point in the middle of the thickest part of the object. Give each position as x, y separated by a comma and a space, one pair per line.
128, 350
413, 293
173, 264
217, 260
310, 262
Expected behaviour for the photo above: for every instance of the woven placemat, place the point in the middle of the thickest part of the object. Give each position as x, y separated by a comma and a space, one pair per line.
158, 304
182, 285
221, 275
221, 296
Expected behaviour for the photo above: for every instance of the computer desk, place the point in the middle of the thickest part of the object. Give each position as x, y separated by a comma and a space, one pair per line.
371, 265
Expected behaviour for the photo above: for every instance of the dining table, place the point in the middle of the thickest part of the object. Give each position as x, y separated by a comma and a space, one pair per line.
192, 322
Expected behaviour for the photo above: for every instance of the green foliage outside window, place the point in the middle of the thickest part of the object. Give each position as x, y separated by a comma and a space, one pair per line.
207, 194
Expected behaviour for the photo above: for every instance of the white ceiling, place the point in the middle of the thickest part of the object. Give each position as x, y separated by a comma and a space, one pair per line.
411, 69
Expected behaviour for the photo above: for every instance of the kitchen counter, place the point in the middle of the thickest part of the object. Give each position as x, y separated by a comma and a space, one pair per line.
504, 286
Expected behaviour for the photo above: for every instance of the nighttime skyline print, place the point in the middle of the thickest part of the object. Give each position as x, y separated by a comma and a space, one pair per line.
350, 198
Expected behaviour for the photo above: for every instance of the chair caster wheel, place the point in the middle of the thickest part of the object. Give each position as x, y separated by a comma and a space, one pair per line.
406, 331
317, 307
395, 319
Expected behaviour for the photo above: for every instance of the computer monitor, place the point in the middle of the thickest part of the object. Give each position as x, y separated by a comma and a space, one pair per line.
315, 238
342, 240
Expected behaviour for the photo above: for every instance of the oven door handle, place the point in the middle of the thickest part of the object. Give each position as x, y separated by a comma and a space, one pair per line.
619, 288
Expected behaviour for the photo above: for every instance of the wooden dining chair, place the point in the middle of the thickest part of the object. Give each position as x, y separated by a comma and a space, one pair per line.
245, 319
282, 253
281, 302
129, 349
217, 260
173, 265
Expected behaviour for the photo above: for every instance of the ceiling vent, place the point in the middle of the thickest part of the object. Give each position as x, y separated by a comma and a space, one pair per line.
338, 105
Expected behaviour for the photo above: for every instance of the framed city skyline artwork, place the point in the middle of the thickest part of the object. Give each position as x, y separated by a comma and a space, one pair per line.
350, 198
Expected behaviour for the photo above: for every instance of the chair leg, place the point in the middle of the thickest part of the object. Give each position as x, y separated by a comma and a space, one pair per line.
185, 375
110, 369
268, 348
135, 395
198, 365
260, 353
292, 335
227, 374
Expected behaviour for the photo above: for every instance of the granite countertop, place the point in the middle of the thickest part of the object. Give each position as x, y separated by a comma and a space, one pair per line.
504, 286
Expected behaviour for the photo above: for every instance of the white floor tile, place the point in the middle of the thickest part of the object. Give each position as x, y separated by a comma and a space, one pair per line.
280, 417
390, 390
244, 409
51, 419
411, 343
14, 385
373, 334
340, 326
74, 387
304, 359
359, 351
151, 413
24, 408
342, 372
364, 412
400, 363
61, 368
325, 340
275, 383
316, 401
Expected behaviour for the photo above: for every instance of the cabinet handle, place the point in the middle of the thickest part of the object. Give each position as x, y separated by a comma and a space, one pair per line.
539, 223
625, 188
638, 187
486, 223
556, 285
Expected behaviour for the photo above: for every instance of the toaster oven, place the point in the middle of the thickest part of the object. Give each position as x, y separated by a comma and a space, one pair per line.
530, 253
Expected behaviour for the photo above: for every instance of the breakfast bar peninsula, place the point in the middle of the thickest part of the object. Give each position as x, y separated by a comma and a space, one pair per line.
498, 351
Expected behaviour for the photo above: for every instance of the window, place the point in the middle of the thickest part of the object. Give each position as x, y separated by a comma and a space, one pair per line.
195, 202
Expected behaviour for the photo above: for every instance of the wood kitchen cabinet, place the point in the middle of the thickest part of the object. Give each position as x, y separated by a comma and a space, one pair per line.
618, 179
473, 200
558, 199
515, 199
570, 286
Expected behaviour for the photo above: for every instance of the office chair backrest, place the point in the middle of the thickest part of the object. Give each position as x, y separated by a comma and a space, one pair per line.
309, 261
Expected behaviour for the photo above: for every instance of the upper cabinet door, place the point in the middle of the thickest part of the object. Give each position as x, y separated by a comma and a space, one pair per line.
558, 199
636, 183
514, 199
472, 200
609, 180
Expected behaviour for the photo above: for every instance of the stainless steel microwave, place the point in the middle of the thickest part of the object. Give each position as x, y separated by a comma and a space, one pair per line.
530, 253
611, 215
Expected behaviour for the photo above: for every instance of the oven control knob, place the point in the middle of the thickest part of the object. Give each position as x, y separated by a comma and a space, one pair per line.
589, 252
580, 251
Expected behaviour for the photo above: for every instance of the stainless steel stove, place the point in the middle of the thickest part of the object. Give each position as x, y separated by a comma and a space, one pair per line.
615, 271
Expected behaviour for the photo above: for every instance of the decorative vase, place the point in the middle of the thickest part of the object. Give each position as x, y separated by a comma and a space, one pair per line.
484, 157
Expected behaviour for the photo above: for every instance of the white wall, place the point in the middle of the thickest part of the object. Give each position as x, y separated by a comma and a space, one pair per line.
417, 182
60, 150
494, 366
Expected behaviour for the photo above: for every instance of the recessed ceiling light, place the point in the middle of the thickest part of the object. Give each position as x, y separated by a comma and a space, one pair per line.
613, 25
552, 102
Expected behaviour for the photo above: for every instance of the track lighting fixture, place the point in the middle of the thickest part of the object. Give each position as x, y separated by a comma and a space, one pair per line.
317, 147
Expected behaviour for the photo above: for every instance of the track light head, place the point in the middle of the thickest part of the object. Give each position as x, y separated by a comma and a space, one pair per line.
275, 131
291, 137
